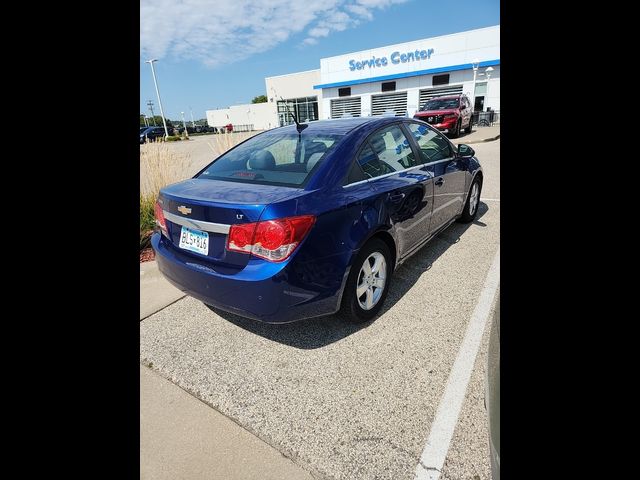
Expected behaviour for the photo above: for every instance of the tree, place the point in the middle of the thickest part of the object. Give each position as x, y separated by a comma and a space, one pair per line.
259, 99
158, 121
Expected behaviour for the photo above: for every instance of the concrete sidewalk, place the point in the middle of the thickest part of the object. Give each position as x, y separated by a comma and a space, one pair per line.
182, 438
155, 291
478, 135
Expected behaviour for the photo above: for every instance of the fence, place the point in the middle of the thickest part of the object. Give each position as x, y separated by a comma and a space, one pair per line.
486, 119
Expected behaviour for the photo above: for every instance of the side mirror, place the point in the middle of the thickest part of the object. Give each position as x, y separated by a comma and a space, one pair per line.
465, 151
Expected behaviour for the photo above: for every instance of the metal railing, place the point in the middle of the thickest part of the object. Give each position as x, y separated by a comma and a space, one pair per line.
486, 119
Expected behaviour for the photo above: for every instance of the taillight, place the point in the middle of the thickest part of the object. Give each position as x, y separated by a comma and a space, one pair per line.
160, 220
273, 240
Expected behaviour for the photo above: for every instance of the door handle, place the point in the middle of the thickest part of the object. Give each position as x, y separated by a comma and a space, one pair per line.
440, 182
396, 197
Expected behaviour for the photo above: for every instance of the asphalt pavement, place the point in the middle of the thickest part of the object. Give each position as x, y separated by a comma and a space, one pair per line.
343, 401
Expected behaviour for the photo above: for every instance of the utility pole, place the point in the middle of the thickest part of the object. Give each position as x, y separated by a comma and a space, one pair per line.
193, 124
150, 104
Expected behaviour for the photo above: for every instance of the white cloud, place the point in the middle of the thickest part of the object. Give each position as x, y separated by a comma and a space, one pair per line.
217, 32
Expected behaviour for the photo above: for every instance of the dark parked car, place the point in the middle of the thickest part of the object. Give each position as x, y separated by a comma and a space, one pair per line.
450, 113
492, 393
151, 133
292, 224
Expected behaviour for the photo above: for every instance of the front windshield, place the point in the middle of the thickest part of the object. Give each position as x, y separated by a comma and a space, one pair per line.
142, 129
441, 104
273, 159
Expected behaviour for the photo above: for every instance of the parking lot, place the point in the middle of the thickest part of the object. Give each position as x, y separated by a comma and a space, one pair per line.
345, 401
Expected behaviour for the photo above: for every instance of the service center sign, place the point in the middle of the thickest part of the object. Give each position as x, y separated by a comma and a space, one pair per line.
396, 57
419, 55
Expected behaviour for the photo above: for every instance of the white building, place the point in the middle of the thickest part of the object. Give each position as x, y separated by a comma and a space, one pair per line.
253, 116
398, 77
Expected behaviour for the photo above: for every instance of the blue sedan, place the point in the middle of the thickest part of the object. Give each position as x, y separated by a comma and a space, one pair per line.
303, 221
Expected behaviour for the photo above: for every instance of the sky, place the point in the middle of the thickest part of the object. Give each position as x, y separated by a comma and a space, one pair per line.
214, 54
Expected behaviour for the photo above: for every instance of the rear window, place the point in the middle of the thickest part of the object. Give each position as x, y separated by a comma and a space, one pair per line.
273, 159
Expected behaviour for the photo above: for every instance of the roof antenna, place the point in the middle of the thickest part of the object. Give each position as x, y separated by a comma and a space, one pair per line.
299, 126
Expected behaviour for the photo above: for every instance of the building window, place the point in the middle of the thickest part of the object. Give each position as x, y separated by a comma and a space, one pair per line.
305, 108
344, 92
440, 79
388, 86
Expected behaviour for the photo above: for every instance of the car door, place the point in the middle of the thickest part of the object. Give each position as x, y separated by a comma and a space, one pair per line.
449, 174
391, 163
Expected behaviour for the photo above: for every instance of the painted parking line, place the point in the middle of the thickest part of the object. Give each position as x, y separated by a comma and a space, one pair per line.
490, 199
444, 423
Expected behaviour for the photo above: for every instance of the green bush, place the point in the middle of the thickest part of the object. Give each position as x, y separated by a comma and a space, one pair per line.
147, 219
173, 138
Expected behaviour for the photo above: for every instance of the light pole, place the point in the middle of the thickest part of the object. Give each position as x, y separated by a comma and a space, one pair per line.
184, 125
155, 82
146, 123
476, 63
488, 71
193, 124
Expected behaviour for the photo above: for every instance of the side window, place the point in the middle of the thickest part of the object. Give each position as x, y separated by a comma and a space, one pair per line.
433, 145
371, 164
392, 148
355, 174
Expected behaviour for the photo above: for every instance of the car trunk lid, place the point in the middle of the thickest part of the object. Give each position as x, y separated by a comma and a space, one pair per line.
212, 206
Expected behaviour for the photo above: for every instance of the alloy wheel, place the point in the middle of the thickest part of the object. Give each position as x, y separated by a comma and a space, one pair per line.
371, 281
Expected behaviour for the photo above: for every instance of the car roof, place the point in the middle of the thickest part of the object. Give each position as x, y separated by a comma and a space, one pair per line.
338, 126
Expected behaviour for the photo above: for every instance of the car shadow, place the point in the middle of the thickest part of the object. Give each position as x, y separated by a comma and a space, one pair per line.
318, 332
461, 135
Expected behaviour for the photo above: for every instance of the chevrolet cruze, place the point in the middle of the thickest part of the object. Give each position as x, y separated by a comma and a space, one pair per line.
306, 220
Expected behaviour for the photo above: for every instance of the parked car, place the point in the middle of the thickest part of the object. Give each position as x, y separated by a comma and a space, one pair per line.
151, 133
492, 393
450, 113
294, 224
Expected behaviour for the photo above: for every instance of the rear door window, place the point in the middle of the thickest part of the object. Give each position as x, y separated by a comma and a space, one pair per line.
392, 148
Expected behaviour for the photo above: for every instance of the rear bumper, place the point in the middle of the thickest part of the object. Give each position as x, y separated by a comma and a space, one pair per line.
273, 298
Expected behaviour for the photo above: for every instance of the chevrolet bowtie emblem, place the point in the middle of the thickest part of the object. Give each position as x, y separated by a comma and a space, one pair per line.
184, 210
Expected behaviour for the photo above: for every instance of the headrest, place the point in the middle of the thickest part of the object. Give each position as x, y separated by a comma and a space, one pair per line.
262, 160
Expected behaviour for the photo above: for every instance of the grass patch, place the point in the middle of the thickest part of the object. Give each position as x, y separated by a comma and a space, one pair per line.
159, 166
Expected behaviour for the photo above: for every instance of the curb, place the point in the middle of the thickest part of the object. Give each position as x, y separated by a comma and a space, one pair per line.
486, 140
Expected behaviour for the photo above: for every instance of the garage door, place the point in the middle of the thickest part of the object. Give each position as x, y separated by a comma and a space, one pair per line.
390, 102
345, 107
428, 93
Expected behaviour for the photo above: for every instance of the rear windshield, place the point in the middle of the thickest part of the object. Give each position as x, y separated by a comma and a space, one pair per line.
273, 159
441, 104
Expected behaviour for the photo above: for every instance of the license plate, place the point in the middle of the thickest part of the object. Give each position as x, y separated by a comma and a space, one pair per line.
194, 240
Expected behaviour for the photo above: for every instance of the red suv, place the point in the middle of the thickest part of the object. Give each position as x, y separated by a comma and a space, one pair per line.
451, 113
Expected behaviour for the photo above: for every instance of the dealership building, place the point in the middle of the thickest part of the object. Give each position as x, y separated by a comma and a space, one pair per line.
395, 79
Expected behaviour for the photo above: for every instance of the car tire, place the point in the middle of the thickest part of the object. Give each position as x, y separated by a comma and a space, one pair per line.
456, 132
468, 129
353, 307
470, 210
